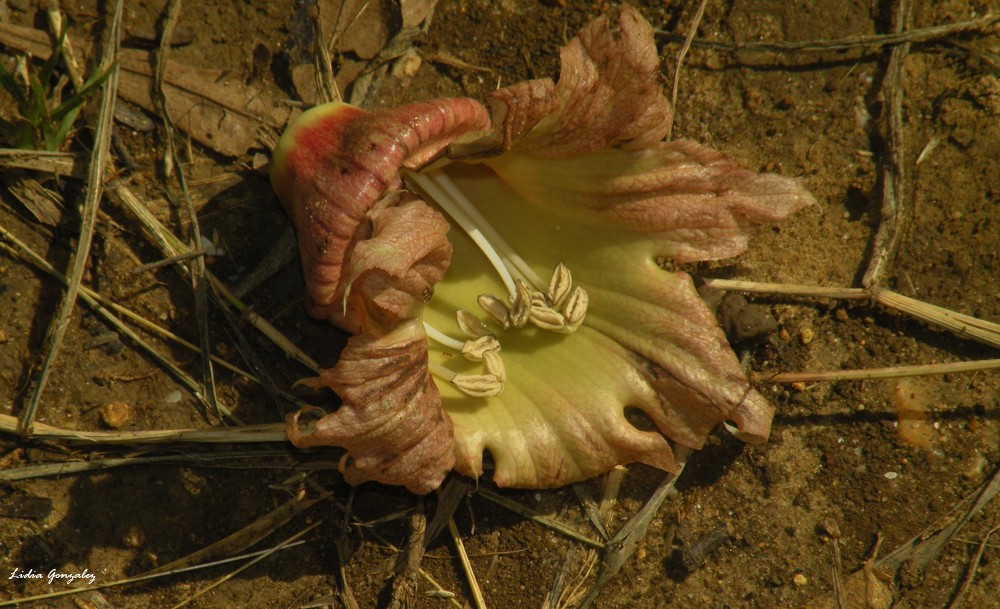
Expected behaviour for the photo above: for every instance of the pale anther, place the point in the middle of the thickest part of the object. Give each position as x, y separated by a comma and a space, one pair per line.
576, 307
470, 325
559, 285
547, 318
473, 350
493, 364
495, 308
478, 385
520, 308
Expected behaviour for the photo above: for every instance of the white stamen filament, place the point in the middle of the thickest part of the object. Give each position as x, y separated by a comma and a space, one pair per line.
441, 371
496, 240
457, 210
442, 338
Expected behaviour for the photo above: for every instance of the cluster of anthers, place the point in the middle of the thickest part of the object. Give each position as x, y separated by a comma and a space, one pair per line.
561, 308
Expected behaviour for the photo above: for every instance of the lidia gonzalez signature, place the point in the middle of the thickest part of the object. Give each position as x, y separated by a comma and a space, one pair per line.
53, 575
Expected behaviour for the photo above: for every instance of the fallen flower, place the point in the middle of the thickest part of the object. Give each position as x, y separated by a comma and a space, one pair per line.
502, 278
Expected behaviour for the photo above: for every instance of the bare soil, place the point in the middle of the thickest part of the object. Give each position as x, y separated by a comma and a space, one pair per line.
835, 454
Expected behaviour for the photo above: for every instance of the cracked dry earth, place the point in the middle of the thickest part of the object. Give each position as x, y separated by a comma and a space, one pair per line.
759, 513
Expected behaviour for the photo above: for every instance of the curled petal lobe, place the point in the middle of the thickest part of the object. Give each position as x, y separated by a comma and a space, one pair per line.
391, 422
336, 162
391, 274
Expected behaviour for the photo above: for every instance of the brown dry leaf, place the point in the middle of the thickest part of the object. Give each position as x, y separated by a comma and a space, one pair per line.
45, 205
358, 26
415, 11
867, 588
216, 110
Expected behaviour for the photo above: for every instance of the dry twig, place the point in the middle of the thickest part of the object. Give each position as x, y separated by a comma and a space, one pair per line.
897, 191
877, 41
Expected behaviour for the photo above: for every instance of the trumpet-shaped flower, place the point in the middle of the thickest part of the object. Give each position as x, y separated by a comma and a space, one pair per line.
501, 273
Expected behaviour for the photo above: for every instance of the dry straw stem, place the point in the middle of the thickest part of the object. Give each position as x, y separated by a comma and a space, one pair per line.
965, 326
57, 163
268, 432
95, 185
983, 24
541, 519
369, 530
970, 574
99, 306
171, 246
625, 542
284, 544
196, 267
692, 30
470, 574
63, 468
246, 536
19, 249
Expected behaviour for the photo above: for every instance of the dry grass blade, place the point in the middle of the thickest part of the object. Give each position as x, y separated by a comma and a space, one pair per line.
245, 537
95, 185
22, 251
542, 519
470, 574
922, 549
284, 544
57, 28
57, 163
94, 301
872, 586
326, 84
625, 542
897, 188
172, 246
982, 24
268, 432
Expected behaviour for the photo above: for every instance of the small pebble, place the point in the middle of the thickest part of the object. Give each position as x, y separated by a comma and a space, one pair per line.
799, 579
133, 538
115, 414
891, 475
806, 335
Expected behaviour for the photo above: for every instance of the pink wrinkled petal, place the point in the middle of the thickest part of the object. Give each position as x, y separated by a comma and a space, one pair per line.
609, 92
693, 201
391, 422
336, 162
392, 273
